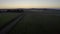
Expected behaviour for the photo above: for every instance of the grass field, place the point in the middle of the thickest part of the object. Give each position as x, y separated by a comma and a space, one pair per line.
6, 17
34, 23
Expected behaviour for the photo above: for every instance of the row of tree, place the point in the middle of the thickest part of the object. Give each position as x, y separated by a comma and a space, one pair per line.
17, 10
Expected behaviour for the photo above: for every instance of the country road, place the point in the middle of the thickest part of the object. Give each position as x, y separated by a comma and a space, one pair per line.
9, 26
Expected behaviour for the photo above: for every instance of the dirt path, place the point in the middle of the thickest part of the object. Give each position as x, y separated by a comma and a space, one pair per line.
11, 25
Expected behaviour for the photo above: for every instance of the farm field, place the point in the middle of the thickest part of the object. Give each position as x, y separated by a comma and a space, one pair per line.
6, 17
36, 23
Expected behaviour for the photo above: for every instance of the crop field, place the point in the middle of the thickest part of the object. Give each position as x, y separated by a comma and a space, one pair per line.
6, 17
36, 23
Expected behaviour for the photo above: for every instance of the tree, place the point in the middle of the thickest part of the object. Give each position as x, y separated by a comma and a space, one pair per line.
22, 10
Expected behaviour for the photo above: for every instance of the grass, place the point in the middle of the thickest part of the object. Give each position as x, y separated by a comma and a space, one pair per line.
5, 17
37, 24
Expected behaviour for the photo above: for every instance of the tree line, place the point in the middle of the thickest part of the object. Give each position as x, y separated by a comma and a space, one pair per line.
16, 10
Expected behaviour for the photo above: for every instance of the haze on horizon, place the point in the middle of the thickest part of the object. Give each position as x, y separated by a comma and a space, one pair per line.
29, 4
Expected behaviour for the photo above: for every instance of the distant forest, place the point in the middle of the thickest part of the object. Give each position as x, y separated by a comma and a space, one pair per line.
11, 10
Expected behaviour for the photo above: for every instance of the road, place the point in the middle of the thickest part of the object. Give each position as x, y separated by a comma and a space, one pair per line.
11, 24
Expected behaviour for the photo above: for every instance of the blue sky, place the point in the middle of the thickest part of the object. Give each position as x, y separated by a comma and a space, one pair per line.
29, 3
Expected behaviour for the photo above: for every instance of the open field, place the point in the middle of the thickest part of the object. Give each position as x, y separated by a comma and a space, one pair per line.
36, 23
6, 17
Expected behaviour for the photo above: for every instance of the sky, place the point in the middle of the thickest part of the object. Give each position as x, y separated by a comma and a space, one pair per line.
29, 4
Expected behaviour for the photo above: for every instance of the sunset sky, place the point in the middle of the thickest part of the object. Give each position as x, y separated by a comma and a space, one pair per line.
29, 4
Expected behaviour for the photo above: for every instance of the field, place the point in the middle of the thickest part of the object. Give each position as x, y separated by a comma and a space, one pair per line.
6, 17
36, 23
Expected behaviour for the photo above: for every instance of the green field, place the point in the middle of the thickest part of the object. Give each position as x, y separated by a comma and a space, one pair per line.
6, 17
37, 24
